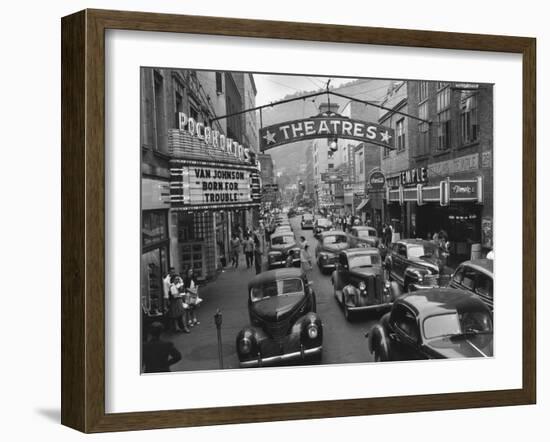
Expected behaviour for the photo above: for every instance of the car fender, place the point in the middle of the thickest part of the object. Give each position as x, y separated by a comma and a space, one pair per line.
254, 334
378, 340
300, 327
412, 274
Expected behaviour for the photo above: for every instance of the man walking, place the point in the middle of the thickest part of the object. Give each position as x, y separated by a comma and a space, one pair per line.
305, 257
258, 250
248, 245
235, 245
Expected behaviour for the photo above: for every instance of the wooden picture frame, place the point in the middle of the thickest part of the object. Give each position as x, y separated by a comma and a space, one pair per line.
83, 219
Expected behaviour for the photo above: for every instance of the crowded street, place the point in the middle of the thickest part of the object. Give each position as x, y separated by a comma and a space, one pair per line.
344, 342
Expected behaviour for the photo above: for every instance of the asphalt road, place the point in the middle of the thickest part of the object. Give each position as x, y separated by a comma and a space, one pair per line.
343, 341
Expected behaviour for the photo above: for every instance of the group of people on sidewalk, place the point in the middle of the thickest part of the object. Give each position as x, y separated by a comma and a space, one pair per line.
252, 243
181, 297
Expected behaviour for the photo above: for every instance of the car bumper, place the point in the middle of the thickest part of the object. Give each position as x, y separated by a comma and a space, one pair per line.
302, 355
369, 308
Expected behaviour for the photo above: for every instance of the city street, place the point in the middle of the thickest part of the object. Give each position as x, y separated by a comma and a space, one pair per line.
343, 342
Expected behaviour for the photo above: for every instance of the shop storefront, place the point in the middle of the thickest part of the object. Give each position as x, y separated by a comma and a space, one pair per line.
214, 193
155, 244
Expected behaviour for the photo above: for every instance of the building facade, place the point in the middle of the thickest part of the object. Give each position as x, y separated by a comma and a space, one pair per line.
440, 177
199, 181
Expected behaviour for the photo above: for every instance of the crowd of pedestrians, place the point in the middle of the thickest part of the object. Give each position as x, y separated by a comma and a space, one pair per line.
251, 243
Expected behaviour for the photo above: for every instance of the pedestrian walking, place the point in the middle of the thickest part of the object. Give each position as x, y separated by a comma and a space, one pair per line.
166, 282
235, 244
192, 298
178, 309
248, 247
158, 355
305, 257
258, 250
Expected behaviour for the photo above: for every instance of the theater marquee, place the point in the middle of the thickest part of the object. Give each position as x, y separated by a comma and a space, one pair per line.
326, 127
200, 185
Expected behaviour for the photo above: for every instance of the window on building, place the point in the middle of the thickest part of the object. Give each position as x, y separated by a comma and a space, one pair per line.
154, 226
400, 133
219, 83
423, 145
386, 153
444, 119
423, 90
469, 125
193, 112
159, 110
361, 165
331, 165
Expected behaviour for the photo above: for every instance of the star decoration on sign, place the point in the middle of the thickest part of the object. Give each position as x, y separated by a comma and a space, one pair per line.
385, 137
269, 137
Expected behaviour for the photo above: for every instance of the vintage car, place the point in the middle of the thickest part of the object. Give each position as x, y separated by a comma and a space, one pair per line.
435, 323
330, 244
321, 225
359, 284
417, 264
284, 326
307, 221
364, 235
282, 229
475, 276
281, 245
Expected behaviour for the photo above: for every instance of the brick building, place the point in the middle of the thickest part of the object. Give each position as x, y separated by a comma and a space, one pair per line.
440, 177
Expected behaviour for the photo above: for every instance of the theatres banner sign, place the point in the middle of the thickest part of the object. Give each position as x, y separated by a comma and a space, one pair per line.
200, 185
326, 127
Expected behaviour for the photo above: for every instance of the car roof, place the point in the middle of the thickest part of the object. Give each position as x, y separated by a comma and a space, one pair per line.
333, 232
282, 233
363, 228
429, 302
361, 251
483, 265
415, 241
275, 275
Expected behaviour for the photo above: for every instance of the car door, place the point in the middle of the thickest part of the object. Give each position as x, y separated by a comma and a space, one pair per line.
400, 261
404, 335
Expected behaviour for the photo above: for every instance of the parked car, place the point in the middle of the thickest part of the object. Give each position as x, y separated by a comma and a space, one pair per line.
321, 225
364, 235
359, 284
433, 323
307, 221
330, 244
475, 276
284, 326
417, 264
281, 245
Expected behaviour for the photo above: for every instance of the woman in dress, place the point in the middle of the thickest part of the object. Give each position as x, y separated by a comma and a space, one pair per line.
191, 297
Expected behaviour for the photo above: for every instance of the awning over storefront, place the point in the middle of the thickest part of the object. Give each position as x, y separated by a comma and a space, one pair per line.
445, 192
362, 204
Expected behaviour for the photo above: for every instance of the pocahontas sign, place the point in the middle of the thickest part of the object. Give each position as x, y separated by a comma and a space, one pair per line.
335, 126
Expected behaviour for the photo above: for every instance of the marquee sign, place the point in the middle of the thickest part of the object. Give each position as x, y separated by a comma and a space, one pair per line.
326, 127
200, 185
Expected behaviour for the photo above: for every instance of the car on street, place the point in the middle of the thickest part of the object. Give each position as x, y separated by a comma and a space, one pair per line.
475, 276
281, 245
437, 323
364, 235
359, 284
284, 326
321, 225
282, 229
307, 221
330, 244
417, 264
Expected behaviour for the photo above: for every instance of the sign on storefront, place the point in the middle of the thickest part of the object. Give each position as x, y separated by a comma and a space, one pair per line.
326, 127
377, 180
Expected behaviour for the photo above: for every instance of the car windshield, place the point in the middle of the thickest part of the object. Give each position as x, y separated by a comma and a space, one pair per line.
458, 324
365, 233
276, 288
423, 250
364, 261
280, 240
335, 239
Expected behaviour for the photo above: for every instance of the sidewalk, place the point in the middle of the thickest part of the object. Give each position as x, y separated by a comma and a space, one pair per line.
199, 349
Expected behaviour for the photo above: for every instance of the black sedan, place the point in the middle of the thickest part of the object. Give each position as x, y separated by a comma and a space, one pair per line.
321, 225
359, 284
330, 244
283, 250
435, 323
284, 326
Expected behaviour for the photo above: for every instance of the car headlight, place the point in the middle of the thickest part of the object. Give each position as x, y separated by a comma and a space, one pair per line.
362, 286
245, 346
312, 331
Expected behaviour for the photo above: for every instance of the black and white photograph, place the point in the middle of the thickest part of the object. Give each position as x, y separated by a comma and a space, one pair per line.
291, 219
